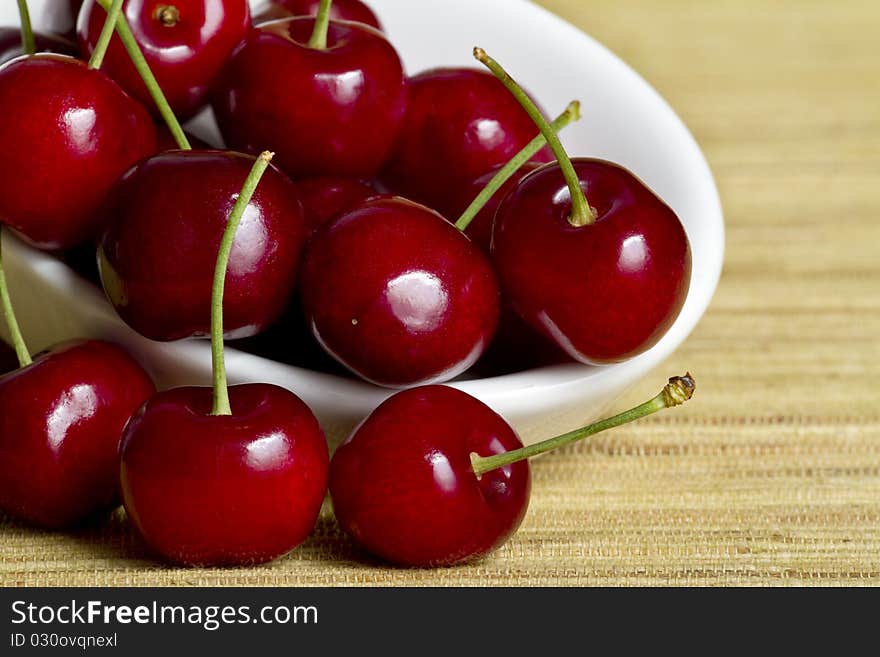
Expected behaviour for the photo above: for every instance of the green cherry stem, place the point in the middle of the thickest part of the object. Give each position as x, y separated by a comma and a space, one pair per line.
582, 214
97, 58
679, 390
218, 362
143, 68
572, 113
322, 25
21, 350
27, 31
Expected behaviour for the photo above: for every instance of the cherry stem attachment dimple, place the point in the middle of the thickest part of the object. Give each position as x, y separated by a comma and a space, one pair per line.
679, 390
97, 58
572, 113
581, 214
168, 15
28, 44
322, 25
218, 362
143, 68
21, 350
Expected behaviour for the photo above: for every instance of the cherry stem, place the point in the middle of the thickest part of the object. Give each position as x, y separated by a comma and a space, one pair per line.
218, 362
143, 68
28, 43
679, 390
322, 25
21, 350
582, 214
97, 58
572, 113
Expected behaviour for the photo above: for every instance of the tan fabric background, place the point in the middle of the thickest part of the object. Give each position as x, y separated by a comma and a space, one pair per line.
772, 474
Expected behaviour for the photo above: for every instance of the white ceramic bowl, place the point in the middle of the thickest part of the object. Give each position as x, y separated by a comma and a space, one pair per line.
625, 121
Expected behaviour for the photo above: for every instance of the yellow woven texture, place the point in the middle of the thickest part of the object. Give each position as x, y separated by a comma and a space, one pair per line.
772, 474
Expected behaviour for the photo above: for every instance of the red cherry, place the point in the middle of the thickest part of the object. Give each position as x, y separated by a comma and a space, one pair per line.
10, 44
604, 281
61, 422
335, 111
603, 292
460, 123
434, 477
75, 132
214, 490
166, 219
325, 199
342, 10
186, 43
403, 486
399, 295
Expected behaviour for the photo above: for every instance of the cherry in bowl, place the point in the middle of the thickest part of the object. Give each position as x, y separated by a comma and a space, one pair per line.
337, 109
75, 132
185, 42
459, 124
399, 295
166, 218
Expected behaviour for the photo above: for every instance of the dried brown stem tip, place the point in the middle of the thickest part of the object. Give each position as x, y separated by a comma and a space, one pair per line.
679, 390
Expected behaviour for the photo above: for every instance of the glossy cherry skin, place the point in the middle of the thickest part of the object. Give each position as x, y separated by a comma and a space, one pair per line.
398, 295
166, 219
74, 133
186, 48
326, 198
334, 112
604, 292
208, 490
340, 10
460, 123
10, 44
403, 487
61, 422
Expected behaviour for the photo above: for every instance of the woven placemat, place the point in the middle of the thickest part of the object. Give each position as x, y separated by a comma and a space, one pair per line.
772, 474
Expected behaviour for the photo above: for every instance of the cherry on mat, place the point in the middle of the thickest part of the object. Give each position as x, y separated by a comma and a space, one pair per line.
434, 477
61, 418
